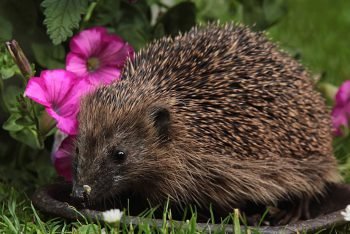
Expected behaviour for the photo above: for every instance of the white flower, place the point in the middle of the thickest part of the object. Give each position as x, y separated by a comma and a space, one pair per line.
346, 214
112, 216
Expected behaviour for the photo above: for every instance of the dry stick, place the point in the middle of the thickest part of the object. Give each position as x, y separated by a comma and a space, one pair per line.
20, 59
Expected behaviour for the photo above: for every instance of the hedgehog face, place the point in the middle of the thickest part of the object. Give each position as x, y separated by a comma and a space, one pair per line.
118, 156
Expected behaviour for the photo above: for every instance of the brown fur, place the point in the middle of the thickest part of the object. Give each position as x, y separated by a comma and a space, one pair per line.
245, 124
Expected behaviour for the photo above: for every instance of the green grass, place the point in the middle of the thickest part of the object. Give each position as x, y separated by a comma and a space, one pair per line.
18, 215
317, 29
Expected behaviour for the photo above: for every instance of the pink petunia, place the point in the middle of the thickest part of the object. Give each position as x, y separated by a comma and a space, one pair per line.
62, 155
97, 55
59, 92
341, 109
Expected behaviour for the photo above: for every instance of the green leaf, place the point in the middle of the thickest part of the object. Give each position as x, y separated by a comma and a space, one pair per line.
9, 95
88, 229
262, 14
25, 17
8, 68
49, 56
222, 10
135, 23
129, 20
62, 16
22, 129
7, 72
6, 29
107, 12
179, 18
28, 136
24, 121
158, 30
11, 125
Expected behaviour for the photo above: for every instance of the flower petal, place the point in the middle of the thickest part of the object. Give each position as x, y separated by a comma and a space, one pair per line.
341, 110
86, 43
115, 52
68, 124
338, 121
70, 105
66, 114
76, 64
60, 92
36, 90
62, 158
343, 94
109, 53
58, 84
105, 75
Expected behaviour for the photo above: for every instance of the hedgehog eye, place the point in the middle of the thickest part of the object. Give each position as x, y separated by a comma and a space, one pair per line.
76, 150
119, 155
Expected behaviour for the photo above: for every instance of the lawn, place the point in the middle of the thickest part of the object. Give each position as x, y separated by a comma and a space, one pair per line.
317, 31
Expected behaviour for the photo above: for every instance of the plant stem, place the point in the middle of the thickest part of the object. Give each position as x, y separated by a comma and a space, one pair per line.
24, 66
90, 10
3, 104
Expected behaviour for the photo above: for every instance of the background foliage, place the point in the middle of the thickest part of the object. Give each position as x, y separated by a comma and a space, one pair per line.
316, 32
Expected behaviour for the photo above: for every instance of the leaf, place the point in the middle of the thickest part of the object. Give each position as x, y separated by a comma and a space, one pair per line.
9, 95
88, 229
49, 56
11, 125
222, 10
6, 29
106, 13
135, 23
130, 21
24, 121
25, 17
62, 16
262, 14
28, 136
179, 18
158, 30
8, 68
23, 130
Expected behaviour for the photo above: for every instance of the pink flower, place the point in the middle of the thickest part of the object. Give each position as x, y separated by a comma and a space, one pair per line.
341, 110
97, 55
62, 155
59, 92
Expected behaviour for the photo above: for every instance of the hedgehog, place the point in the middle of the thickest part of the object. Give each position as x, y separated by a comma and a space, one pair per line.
218, 116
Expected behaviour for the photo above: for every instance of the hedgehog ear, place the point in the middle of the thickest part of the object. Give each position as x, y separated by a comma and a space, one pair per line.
161, 121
